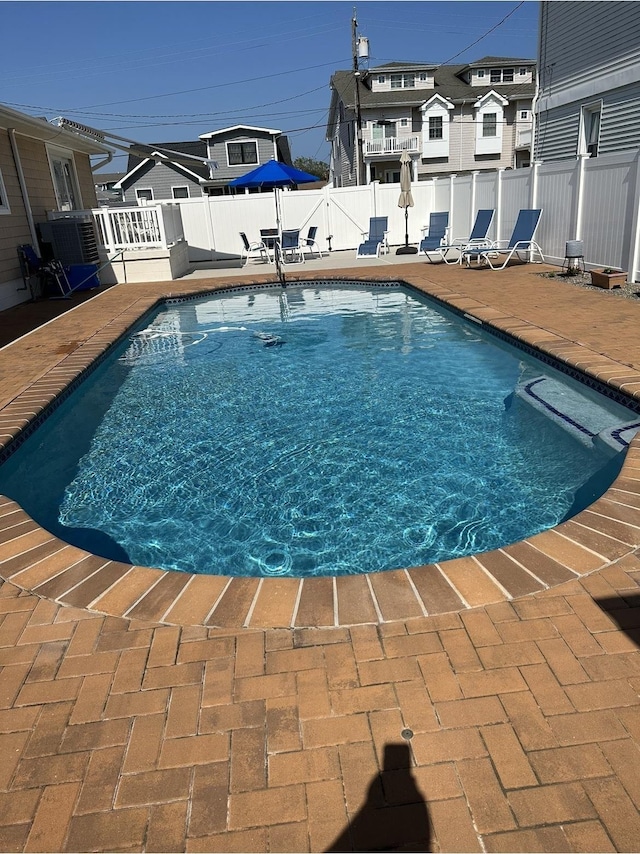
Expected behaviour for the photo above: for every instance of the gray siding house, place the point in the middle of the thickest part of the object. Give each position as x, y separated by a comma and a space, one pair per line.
449, 118
589, 93
223, 155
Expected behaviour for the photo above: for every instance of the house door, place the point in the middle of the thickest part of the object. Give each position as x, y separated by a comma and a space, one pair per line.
64, 182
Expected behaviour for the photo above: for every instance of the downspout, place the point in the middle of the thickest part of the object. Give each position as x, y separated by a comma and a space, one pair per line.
104, 162
23, 189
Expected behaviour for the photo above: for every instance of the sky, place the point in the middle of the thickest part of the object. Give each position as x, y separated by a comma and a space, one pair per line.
170, 71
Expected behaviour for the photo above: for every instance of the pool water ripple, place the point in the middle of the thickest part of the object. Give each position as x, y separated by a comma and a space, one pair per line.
377, 436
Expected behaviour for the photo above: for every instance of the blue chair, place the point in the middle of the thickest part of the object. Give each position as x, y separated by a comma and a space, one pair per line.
520, 243
376, 239
476, 240
436, 235
290, 249
309, 243
257, 249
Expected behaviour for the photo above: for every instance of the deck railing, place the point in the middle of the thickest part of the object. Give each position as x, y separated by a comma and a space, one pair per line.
146, 227
391, 145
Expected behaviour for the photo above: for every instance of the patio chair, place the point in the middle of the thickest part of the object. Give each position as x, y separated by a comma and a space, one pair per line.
375, 241
290, 249
520, 243
254, 250
309, 244
477, 239
436, 234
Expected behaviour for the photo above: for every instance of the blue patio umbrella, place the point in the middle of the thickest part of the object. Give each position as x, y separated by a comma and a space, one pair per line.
273, 174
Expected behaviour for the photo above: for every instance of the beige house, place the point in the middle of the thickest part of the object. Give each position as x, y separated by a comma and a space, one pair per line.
451, 119
42, 168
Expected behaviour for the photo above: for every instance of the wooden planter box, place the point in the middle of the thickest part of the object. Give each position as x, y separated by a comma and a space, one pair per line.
608, 280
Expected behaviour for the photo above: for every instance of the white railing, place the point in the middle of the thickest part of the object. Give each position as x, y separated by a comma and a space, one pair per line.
391, 145
146, 227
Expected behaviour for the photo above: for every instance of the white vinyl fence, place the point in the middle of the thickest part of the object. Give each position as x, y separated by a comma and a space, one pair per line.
596, 200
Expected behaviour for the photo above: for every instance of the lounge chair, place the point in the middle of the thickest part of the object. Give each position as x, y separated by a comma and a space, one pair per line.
375, 242
520, 243
290, 249
435, 237
476, 240
309, 244
254, 250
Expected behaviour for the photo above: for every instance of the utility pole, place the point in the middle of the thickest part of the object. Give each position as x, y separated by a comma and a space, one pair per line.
356, 76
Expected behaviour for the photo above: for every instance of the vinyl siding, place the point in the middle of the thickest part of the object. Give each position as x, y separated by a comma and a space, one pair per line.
577, 37
558, 130
218, 152
160, 178
14, 228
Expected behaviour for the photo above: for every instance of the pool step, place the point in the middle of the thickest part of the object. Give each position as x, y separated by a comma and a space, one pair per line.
585, 419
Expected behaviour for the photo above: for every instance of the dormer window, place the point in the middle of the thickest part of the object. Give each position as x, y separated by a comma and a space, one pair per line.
403, 81
381, 78
480, 72
522, 72
422, 77
435, 127
489, 123
501, 75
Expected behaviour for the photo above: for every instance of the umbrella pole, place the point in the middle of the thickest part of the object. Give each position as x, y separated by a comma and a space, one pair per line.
406, 249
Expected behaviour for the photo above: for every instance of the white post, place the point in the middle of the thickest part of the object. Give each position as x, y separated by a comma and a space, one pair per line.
499, 174
634, 248
581, 161
472, 212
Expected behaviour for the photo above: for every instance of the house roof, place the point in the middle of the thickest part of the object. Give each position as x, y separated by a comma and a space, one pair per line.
447, 79
236, 128
39, 128
196, 171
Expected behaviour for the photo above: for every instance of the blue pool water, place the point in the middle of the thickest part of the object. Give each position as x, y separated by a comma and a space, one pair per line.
312, 431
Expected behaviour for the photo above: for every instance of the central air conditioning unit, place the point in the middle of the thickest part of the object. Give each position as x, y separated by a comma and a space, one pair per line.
72, 239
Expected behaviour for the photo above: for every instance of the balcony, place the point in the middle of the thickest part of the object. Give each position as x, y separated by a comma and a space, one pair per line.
391, 146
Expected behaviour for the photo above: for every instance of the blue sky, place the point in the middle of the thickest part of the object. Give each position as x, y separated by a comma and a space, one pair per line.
166, 71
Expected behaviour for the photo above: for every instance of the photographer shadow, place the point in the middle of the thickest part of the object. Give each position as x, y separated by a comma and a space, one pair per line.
394, 816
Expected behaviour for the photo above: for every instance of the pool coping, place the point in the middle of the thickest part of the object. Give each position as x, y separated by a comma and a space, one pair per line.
34, 560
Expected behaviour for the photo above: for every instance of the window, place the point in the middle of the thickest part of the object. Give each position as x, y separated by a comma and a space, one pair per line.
381, 78
423, 76
524, 114
489, 124
435, 127
522, 72
240, 153
404, 123
384, 130
144, 195
4, 201
501, 75
180, 192
480, 72
65, 182
591, 129
403, 81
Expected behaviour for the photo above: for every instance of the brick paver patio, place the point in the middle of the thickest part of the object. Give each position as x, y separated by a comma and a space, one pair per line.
513, 725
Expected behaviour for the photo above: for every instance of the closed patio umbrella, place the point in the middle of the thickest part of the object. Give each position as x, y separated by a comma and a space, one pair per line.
405, 201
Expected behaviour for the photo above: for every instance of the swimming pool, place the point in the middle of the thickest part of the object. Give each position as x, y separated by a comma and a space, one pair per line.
330, 443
